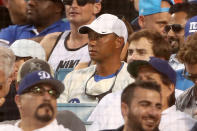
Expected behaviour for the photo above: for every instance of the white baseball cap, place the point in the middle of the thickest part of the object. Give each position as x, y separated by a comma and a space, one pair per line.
28, 48
107, 24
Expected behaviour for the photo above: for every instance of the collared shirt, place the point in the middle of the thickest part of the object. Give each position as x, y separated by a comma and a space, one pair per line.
53, 126
80, 82
14, 32
107, 115
175, 64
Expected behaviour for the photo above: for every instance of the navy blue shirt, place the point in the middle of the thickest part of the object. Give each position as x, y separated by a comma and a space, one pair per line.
15, 32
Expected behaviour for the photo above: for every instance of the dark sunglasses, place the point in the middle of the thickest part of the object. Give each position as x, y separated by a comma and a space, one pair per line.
39, 90
175, 28
79, 2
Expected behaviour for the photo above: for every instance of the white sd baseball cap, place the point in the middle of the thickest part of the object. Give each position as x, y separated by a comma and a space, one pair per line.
28, 48
106, 24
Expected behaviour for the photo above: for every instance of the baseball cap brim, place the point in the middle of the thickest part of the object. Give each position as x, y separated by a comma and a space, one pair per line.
56, 85
134, 66
86, 28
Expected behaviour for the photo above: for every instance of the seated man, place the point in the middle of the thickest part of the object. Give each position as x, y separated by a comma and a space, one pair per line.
42, 90
108, 116
43, 17
187, 55
141, 107
107, 35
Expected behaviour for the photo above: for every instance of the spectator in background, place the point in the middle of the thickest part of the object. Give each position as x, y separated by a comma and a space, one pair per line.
153, 14
107, 35
180, 13
107, 114
68, 49
8, 110
17, 11
146, 43
43, 17
187, 55
23, 51
141, 107
42, 90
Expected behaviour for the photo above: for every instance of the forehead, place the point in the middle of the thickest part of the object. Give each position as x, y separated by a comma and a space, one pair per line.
141, 94
160, 17
178, 18
148, 73
142, 43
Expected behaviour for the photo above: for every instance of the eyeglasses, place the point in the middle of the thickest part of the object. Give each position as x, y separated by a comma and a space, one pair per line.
39, 90
191, 77
79, 2
175, 28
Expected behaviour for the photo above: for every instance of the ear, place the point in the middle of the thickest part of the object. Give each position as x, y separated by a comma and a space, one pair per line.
141, 21
96, 8
172, 87
18, 101
124, 110
119, 42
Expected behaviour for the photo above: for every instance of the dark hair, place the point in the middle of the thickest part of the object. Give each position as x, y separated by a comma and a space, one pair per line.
187, 52
189, 8
161, 48
128, 92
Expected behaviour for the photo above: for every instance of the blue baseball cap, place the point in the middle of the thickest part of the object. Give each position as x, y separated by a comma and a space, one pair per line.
38, 77
159, 65
191, 26
149, 7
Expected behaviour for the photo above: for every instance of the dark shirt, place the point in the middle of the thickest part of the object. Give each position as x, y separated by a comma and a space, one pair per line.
9, 110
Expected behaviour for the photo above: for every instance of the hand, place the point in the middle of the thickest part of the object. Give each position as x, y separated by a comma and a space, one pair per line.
2, 101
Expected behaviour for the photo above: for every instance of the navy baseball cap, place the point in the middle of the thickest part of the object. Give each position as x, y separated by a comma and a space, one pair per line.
38, 77
149, 7
191, 26
159, 65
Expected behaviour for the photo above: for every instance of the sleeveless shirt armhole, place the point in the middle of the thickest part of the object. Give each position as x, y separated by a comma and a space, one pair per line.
55, 44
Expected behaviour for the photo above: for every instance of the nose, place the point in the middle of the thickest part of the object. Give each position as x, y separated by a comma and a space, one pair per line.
47, 96
132, 57
74, 3
171, 33
30, 2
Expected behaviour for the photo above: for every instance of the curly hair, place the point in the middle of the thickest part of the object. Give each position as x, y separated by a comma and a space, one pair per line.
188, 51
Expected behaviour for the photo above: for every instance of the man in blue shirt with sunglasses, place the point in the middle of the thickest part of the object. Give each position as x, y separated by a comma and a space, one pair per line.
43, 17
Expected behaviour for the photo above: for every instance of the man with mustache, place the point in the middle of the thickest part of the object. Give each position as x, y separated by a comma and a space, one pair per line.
36, 100
141, 107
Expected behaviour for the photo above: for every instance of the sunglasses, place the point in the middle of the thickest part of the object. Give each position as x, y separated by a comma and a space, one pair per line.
39, 91
79, 2
175, 28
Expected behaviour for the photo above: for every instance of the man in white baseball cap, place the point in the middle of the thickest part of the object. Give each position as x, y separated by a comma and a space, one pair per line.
107, 35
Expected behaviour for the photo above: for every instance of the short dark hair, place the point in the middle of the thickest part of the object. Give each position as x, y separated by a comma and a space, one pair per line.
161, 47
189, 8
128, 92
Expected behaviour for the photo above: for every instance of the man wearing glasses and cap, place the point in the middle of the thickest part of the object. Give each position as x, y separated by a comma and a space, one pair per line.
107, 35
36, 100
187, 102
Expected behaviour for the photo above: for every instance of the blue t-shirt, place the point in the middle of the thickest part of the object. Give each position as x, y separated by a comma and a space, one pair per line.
15, 32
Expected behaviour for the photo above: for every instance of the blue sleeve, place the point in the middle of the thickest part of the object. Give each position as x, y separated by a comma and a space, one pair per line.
9, 33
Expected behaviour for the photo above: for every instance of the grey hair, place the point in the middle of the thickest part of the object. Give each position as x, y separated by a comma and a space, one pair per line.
7, 60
